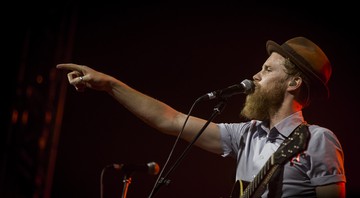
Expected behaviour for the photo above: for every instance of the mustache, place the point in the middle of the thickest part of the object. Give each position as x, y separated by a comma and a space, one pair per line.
257, 86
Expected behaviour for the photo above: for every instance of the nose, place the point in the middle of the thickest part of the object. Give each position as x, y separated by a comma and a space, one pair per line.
257, 77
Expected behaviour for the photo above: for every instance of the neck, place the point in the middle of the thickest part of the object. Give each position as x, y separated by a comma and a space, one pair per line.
289, 107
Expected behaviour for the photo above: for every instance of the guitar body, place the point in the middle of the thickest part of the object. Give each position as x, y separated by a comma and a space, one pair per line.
238, 189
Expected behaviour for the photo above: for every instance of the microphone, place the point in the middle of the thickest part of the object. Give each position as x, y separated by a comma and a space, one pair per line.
246, 87
151, 168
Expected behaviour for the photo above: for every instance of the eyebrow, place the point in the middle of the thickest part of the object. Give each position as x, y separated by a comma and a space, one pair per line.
266, 66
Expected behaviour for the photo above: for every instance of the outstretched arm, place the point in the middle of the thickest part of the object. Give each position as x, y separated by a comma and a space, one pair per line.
153, 112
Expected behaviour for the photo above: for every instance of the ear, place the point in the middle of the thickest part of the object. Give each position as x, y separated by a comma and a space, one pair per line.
294, 83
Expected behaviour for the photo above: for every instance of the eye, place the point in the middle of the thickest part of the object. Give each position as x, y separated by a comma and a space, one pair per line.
267, 68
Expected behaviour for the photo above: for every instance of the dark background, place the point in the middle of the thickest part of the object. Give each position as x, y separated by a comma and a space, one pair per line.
174, 52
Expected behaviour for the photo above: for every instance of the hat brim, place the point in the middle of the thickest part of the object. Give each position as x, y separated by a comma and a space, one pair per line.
317, 88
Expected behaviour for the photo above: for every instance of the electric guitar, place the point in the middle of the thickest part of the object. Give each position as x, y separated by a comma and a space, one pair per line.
295, 144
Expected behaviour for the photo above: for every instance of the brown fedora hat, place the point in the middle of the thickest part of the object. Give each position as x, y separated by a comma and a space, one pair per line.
310, 59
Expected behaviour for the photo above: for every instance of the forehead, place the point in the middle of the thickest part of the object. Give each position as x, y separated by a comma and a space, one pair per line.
275, 59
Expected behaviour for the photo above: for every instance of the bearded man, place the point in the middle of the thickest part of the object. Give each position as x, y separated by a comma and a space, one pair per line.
295, 73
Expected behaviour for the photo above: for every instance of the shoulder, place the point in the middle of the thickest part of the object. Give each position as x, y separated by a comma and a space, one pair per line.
323, 138
240, 127
319, 132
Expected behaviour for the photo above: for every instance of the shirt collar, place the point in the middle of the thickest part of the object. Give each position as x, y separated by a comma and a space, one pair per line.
288, 125
284, 127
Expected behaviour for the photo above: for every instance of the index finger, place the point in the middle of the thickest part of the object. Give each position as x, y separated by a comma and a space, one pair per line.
69, 66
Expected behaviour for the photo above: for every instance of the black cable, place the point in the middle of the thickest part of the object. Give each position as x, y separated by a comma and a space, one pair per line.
172, 149
166, 163
101, 179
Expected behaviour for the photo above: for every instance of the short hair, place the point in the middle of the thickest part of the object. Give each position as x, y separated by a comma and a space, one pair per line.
304, 97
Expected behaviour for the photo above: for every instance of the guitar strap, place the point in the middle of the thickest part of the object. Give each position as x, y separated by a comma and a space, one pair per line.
276, 182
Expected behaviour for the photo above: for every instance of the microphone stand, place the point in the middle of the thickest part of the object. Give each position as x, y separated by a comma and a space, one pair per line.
216, 111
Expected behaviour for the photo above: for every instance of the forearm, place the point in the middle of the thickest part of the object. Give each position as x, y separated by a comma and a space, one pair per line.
164, 118
154, 112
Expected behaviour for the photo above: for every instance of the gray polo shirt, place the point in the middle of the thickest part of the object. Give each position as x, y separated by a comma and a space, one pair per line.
322, 163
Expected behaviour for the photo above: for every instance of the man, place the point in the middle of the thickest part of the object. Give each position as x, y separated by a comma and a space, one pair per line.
295, 73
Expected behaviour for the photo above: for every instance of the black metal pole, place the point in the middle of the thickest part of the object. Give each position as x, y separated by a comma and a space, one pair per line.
217, 110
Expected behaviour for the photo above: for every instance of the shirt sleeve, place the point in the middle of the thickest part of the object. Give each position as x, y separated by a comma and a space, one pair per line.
226, 137
231, 134
326, 157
